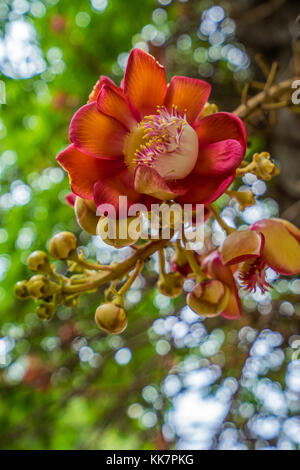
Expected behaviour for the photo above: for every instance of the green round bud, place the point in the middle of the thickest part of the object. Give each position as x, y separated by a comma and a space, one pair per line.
63, 245
170, 284
46, 311
111, 318
38, 261
21, 291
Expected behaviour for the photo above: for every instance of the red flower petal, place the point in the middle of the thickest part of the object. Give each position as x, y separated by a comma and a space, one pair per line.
148, 181
70, 199
145, 82
219, 158
108, 190
96, 134
103, 80
189, 95
204, 190
116, 106
242, 245
216, 269
221, 126
84, 170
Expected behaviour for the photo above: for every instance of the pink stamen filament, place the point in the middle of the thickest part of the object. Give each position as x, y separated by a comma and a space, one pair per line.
252, 275
163, 132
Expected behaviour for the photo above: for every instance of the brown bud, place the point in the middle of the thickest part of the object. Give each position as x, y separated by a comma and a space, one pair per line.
111, 318
46, 311
119, 236
21, 290
38, 261
63, 245
170, 284
209, 298
37, 286
85, 211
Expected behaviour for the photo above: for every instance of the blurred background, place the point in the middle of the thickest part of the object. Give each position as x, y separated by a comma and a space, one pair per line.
172, 380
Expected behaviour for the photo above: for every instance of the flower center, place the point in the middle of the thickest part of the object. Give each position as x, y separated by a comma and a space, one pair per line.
252, 275
165, 142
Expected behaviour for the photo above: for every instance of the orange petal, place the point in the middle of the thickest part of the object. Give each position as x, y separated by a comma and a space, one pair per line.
95, 133
148, 181
116, 106
242, 245
145, 82
103, 80
189, 95
84, 170
282, 249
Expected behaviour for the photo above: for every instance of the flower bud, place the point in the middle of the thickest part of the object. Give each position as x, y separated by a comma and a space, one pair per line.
46, 311
265, 168
170, 284
118, 236
37, 285
63, 245
85, 211
21, 291
38, 261
111, 318
209, 298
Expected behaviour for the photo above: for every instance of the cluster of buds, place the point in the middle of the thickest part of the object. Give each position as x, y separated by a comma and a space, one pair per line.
46, 286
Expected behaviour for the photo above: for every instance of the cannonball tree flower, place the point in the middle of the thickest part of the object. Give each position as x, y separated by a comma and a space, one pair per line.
147, 140
273, 243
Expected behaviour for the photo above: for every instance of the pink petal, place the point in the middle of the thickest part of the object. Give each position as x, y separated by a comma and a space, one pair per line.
204, 190
70, 199
219, 158
221, 126
148, 181
108, 190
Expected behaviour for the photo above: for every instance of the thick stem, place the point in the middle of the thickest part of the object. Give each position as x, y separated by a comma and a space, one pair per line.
119, 270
